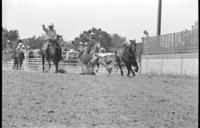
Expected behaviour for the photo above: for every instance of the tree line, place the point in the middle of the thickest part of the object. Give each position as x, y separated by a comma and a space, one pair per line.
107, 41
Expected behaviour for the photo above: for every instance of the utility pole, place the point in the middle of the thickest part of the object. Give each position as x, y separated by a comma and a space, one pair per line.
159, 17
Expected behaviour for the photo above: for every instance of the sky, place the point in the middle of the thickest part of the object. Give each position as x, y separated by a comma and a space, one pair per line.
128, 18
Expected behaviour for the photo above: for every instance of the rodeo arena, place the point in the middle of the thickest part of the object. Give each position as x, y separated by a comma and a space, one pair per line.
168, 54
148, 84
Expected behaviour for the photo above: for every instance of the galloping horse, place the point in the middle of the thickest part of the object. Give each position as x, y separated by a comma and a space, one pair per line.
54, 51
127, 55
18, 56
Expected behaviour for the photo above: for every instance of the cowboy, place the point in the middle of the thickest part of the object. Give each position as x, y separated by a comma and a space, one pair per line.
20, 45
50, 32
146, 33
126, 43
102, 50
92, 41
50, 37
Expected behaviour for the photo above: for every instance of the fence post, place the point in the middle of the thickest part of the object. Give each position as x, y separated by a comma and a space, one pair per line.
25, 67
174, 43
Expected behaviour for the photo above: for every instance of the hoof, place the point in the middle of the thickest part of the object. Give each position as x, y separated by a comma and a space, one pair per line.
136, 70
92, 73
109, 70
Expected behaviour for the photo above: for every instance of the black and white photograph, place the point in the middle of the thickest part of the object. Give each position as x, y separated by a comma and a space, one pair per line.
100, 63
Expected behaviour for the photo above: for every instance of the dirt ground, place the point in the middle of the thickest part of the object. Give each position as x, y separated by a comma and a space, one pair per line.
70, 100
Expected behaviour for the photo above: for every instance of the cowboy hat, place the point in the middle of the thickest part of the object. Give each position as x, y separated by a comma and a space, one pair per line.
92, 34
20, 41
51, 25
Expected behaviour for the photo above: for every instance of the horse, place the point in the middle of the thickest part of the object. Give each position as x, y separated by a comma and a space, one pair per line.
55, 52
18, 56
85, 56
128, 57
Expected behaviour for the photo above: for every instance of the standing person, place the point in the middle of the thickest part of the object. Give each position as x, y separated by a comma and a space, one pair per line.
20, 45
19, 53
51, 38
146, 33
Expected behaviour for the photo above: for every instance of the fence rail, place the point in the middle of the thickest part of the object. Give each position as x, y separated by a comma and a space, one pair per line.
35, 64
181, 42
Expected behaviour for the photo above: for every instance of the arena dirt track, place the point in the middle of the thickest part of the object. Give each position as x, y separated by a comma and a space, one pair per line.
49, 100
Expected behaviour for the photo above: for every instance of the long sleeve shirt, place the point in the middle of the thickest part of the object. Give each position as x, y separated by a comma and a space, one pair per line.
49, 34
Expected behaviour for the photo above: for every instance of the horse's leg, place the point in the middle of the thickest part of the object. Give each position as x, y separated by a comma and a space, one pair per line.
20, 64
128, 69
17, 64
136, 65
49, 63
132, 71
119, 64
97, 67
103, 63
43, 62
14, 65
56, 64
120, 67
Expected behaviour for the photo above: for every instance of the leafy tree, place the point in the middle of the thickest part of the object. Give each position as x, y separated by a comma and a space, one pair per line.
35, 42
100, 36
9, 38
117, 41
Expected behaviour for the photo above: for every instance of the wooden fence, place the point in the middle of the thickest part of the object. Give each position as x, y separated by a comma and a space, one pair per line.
181, 42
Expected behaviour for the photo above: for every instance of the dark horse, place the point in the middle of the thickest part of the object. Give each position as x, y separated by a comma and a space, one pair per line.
18, 56
127, 55
54, 52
